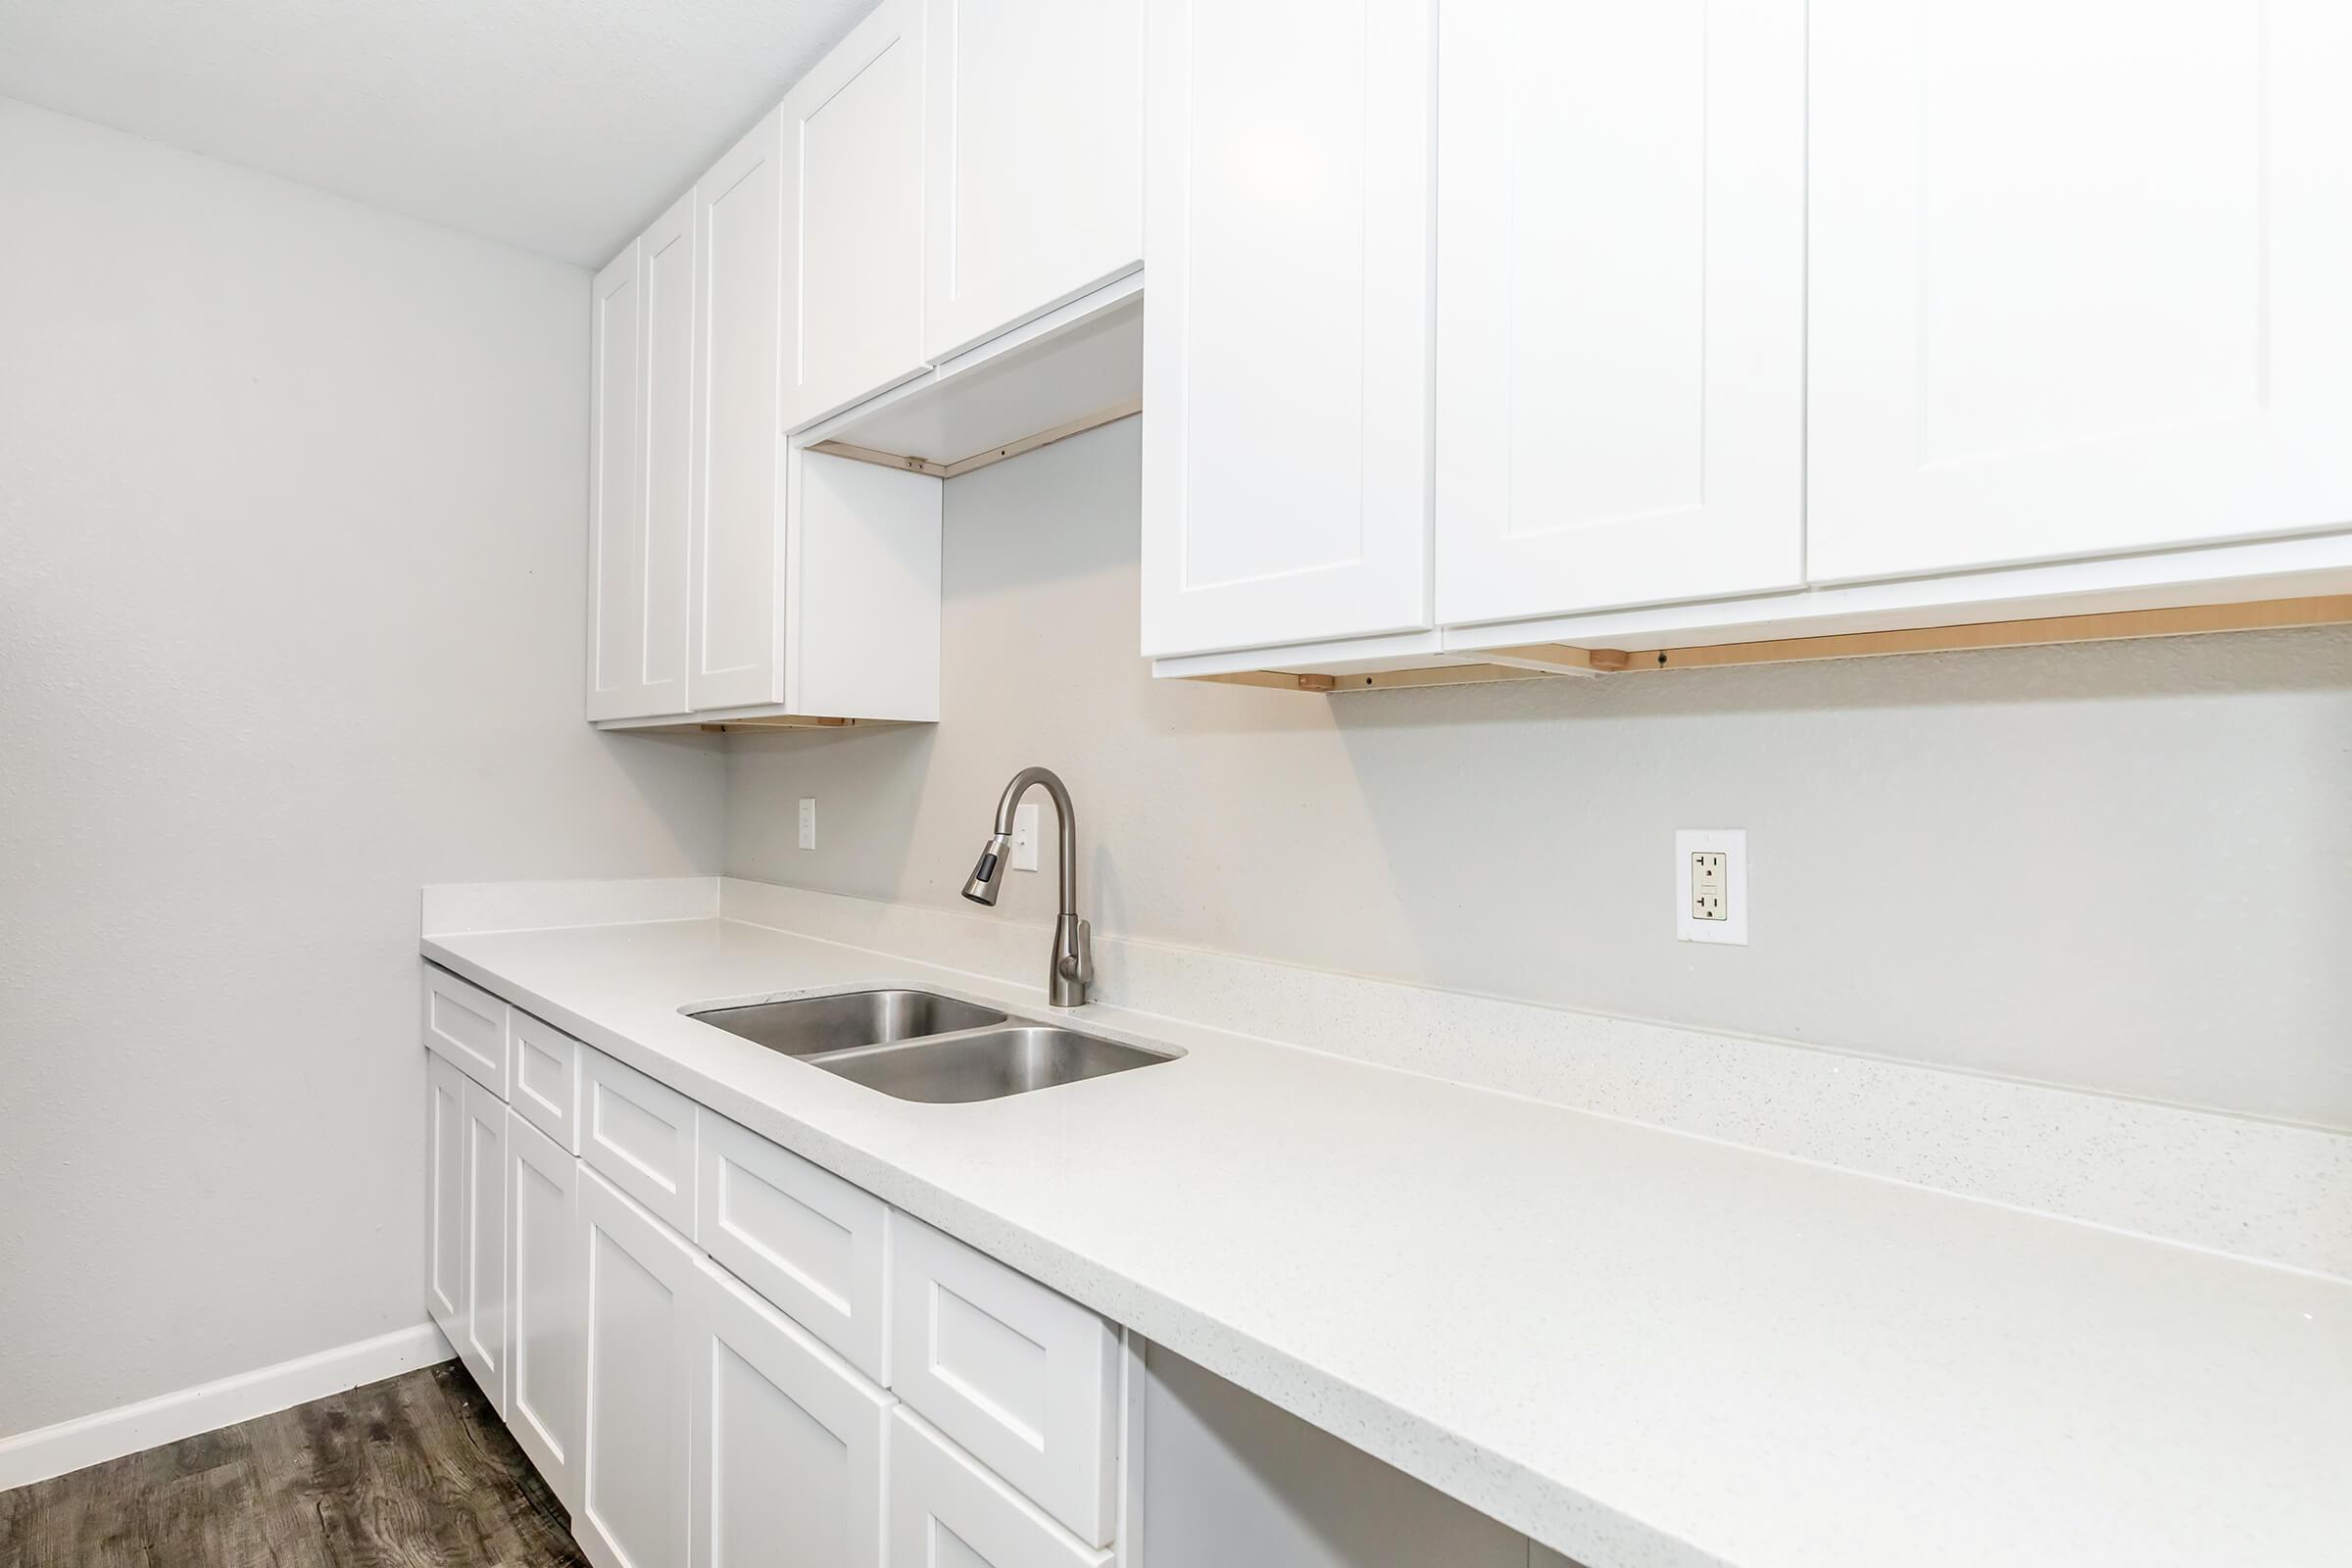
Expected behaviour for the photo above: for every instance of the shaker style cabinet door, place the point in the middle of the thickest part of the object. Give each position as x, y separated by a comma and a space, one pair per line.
2077, 279
1033, 173
665, 282
640, 348
789, 1443
948, 1511
735, 625
482, 1324
543, 1300
445, 1194
617, 491
1287, 342
853, 157
1621, 296
638, 1292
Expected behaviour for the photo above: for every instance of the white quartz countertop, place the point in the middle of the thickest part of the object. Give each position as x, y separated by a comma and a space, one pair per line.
1636, 1345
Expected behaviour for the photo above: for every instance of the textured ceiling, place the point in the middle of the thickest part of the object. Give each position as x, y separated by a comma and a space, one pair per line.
558, 125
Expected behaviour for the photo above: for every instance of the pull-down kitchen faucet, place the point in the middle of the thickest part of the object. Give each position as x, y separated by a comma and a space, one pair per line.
1073, 947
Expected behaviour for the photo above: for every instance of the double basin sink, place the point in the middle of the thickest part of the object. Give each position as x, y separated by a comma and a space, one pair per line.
919, 1046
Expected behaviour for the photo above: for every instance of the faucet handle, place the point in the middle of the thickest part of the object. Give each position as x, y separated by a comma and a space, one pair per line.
1079, 963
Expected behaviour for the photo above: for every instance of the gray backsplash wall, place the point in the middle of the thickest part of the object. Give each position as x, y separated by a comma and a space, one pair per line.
2125, 867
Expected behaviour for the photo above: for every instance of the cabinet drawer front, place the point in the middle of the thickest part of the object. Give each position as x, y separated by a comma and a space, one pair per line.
547, 1078
467, 1025
944, 1509
810, 1242
788, 1442
1023, 1377
639, 1135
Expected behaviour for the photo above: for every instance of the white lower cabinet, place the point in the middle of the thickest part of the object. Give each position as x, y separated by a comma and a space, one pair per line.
790, 1442
543, 1304
483, 1323
445, 1193
638, 1291
690, 1415
948, 1511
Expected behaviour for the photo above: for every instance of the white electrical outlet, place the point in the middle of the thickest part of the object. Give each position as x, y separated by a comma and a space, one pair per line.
1711, 885
807, 822
1024, 838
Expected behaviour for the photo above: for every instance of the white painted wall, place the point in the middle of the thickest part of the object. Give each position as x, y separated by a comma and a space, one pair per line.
2124, 867
291, 554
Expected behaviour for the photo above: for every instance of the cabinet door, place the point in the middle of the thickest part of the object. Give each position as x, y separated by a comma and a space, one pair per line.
1034, 167
946, 1510
483, 1323
1286, 345
853, 140
543, 1278
735, 618
1621, 205
616, 537
445, 1194
666, 361
789, 1443
2077, 279
638, 1300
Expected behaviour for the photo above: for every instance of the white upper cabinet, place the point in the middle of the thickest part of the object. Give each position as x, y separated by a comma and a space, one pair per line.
2079, 278
1033, 174
666, 280
616, 492
1287, 342
735, 619
640, 348
1620, 376
853, 159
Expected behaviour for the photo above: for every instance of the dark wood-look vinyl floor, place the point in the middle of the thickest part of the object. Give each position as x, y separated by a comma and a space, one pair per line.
413, 1472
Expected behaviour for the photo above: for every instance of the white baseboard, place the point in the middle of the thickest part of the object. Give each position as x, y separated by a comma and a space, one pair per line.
89, 1439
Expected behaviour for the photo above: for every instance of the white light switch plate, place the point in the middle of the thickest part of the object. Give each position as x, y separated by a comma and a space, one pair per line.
807, 822
1711, 885
1024, 838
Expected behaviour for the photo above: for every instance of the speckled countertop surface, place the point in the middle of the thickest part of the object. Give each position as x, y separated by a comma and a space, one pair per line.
1639, 1346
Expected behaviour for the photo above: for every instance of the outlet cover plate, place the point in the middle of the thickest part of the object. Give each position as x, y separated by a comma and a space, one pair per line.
1690, 843
1024, 836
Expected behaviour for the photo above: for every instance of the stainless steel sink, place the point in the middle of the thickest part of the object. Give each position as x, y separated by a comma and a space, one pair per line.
807, 1026
986, 1064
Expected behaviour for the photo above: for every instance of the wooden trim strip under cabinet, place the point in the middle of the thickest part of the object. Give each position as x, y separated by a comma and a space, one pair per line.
981, 459
1532, 660
778, 722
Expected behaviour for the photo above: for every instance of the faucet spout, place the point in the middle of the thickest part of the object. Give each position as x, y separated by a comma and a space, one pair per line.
1073, 964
